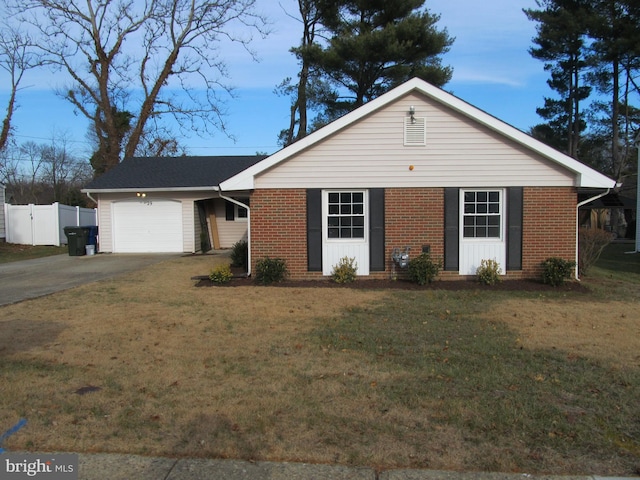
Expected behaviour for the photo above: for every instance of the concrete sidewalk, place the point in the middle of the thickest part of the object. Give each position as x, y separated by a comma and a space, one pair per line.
130, 467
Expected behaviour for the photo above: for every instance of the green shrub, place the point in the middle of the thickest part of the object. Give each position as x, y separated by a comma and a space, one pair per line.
221, 274
591, 242
270, 270
556, 270
488, 272
345, 271
423, 269
240, 254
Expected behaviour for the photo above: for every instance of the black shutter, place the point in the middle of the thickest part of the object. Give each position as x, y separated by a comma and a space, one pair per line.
314, 230
514, 228
451, 229
376, 230
230, 211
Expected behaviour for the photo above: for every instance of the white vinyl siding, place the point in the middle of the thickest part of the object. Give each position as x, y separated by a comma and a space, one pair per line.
372, 153
229, 232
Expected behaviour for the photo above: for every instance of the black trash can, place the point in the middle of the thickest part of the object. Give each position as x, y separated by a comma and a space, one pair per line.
76, 240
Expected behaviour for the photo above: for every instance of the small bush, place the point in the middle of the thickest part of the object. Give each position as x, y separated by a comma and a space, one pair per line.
345, 271
240, 254
221, 274
591, 242
423, 269
271, 270
556, 270
489, 272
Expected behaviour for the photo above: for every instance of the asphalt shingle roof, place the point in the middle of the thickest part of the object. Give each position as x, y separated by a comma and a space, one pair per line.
172, 172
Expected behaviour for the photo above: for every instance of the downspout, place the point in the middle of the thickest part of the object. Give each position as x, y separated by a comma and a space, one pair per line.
240, 204
93, 199
584, 202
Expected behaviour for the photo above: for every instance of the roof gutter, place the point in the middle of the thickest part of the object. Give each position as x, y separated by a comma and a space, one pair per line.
240, 204
584, 202
144, 189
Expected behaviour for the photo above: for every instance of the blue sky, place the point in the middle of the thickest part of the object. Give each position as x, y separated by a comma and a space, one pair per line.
492, 70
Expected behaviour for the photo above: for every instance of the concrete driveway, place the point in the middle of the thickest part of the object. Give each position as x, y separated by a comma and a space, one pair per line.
42, 276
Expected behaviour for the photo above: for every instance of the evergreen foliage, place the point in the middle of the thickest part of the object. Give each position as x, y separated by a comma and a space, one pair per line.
556, 270
371, 47
271, 270
423, 269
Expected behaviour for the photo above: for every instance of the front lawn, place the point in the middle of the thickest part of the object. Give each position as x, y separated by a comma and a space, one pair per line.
537, 382
13, 252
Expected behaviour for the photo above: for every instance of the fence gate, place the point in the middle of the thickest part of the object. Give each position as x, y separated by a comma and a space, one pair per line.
44, 224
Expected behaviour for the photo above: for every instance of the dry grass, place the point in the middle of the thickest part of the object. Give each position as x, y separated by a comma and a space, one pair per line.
607, 332
433, 379
13, 252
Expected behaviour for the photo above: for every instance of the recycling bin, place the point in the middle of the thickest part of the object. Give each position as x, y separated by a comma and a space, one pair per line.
92, 236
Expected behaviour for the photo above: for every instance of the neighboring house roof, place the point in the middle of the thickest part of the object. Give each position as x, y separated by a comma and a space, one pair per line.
171, 173
585, 176
611, 200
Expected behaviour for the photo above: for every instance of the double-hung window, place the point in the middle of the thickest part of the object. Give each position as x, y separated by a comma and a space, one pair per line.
236, 213
482, 214
346, 215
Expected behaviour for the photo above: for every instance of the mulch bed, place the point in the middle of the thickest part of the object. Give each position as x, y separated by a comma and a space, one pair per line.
452, 285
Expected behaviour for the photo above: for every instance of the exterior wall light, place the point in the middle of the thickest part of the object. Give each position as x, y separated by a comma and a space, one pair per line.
412, 113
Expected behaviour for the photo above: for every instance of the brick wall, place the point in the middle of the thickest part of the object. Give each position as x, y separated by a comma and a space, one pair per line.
414, 217
279, 229
549, 227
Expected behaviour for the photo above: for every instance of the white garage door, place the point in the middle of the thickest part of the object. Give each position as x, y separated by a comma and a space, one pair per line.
147, 225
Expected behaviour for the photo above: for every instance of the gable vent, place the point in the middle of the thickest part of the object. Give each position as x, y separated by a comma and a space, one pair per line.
415, 131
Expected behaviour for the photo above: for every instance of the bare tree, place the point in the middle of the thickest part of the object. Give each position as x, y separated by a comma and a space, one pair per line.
148, 58
17, 55
44, 173
301, 98
62, 170
21, 172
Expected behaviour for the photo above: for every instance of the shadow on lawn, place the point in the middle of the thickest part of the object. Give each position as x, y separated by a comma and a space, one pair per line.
19, 335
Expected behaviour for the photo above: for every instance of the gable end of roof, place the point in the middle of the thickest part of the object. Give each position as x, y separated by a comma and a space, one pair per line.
585, 175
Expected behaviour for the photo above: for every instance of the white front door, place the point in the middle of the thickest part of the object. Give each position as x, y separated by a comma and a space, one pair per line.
482, 229
345, 229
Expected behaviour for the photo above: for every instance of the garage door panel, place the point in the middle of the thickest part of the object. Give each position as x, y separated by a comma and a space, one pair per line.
153, 226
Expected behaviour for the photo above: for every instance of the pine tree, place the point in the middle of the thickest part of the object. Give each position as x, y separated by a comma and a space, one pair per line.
560, 43
375, 45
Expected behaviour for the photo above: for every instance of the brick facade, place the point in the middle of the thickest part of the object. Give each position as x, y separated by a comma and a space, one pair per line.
414, 217
549, 227
279, 229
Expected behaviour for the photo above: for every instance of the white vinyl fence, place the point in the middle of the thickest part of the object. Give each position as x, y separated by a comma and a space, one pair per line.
44, 224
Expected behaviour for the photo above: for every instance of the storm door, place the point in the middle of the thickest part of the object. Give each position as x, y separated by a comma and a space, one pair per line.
345, 227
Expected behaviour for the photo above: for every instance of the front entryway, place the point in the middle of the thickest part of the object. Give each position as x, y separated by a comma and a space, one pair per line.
482, 229
345, 229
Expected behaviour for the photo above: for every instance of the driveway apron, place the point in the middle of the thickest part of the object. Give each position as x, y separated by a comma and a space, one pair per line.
42, 276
